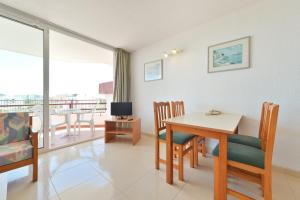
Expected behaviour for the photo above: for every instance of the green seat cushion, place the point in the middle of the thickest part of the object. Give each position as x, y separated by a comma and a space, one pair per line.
245, 140
244, 154
178, 138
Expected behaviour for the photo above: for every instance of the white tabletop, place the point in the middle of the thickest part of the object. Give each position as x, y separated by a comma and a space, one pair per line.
224, 122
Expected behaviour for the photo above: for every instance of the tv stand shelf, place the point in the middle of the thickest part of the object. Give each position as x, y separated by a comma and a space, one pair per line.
113, 127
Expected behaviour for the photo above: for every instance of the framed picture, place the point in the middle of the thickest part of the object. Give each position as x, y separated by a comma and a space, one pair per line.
230, 55
153, 70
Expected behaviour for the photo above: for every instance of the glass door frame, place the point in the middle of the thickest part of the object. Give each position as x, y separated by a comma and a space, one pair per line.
45, 73
46, 90
38, 23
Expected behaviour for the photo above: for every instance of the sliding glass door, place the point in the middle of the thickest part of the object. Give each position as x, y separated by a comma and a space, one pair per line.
80, 89
21, 72
65, 83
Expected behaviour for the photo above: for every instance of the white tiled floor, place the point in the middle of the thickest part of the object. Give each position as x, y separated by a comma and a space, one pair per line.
120, 171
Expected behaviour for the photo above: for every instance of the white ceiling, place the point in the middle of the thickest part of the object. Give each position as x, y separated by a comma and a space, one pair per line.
19, 38
65, 48
128, 24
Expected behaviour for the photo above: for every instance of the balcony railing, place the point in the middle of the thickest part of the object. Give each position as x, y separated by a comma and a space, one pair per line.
27, 105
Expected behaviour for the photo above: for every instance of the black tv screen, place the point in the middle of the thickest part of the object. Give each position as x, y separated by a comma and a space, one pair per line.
121, 108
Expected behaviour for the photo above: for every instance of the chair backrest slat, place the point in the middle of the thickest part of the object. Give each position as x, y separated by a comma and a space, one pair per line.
272, 116
264, 129
263, 119
161, 112
177, 108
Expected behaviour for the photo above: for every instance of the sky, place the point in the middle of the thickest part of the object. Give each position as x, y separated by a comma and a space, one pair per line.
22, 74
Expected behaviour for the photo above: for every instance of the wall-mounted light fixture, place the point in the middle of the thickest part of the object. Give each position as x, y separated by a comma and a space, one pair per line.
172, 52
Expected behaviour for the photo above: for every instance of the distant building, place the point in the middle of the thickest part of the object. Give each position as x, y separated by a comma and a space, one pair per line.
106, 87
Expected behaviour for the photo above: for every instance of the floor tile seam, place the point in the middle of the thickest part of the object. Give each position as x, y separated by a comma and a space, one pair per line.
98, 172
55, 190
48, 162
179, 192
69, 168
290, 187
77, 185
121, 194
147, 169
182, 187
135, 181
86, 180
92, 145
161, 178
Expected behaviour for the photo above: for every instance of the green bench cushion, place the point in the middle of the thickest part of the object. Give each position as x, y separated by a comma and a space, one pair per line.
245, 140
15, 152
178, 138
244, 154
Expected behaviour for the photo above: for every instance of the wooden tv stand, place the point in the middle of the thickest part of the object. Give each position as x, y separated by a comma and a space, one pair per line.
111, 129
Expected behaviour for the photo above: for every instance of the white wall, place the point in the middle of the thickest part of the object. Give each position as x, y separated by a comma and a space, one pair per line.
274, 26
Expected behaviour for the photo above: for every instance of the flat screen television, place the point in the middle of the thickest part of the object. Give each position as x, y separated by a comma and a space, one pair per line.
121, 109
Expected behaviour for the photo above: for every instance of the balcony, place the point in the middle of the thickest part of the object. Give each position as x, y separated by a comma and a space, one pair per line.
62, 118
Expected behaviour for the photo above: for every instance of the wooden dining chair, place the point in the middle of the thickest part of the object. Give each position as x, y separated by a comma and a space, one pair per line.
251, 163
182, 143
199, 142
251, 140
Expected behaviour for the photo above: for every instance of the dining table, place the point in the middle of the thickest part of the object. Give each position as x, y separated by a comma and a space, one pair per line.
218, 127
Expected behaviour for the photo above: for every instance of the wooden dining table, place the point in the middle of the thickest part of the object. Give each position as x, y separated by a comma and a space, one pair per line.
210, 126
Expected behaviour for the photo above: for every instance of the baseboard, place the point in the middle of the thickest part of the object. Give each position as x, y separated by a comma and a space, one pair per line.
290, 172
148, 134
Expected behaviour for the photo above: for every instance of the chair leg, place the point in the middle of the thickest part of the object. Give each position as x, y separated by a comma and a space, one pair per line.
180, 163
35, 171
78, 128
91, 127
74, 127
203, 148
192, 160
94, 129
52, 135
216, 176
35, 158
156, 153
267, 186
92, 124
262, 185
195, 146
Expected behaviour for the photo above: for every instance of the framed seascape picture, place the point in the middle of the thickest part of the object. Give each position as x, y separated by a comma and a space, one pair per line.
230, 55
153, 70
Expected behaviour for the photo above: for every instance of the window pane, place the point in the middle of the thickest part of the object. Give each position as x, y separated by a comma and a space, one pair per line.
78, 73
21, 71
